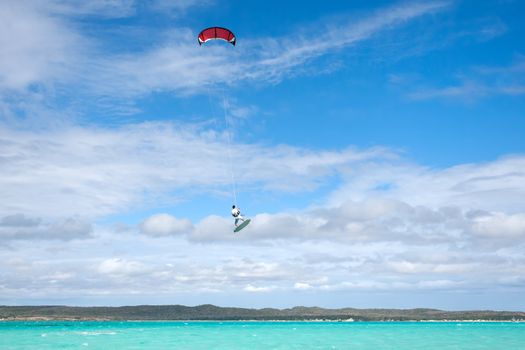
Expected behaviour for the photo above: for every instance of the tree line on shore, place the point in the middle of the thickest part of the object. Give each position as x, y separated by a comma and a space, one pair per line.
212, 312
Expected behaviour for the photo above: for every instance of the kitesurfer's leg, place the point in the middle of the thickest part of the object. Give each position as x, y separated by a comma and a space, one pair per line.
237, 219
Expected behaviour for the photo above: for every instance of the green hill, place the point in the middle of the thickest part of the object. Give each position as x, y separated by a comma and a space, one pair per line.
212, 312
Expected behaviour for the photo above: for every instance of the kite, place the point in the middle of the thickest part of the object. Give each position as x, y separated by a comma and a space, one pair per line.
216, 33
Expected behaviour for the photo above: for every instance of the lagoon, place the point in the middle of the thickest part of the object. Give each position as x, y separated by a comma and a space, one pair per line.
146, 335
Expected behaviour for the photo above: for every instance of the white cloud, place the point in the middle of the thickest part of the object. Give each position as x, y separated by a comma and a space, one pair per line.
371, 221
380, 197
21, 227
51, 54
182, 66
122, 267
176, 6
493, 186
112, 170
500, 225
106, 9
418, 267
438, 284
47, 53
165, 225
70, 228
98, 8
212, 227
295, 50
48, 49
36, 48
255, 289
19, 220
125, 266
389, 225
480, 82
302, 286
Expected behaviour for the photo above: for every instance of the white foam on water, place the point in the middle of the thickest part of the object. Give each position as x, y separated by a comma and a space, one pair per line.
86, 333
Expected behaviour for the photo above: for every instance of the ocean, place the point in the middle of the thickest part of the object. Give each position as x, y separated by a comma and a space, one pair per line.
146, 335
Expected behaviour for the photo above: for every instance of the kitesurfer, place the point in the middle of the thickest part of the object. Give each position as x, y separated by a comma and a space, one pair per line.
236, 213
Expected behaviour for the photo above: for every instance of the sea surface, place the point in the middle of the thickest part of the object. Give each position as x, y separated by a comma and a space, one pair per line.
261, 335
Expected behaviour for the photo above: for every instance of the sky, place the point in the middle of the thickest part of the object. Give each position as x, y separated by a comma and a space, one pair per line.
377, 146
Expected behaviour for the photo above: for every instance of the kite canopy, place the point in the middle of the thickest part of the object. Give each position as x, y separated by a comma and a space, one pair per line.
216, 33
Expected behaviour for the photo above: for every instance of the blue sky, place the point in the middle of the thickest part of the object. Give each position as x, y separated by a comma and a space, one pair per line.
377, 145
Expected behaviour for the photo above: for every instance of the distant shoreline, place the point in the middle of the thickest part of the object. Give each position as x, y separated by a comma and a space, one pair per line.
223, 314
44, 319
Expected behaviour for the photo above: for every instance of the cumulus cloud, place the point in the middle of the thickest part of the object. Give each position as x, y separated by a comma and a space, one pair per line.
387, 225
211, 227
70, 228
22, 227
302, 286
19, 220
380, 195
122, 267
165, 225
126, 267
498, 225
374, 220
254, 289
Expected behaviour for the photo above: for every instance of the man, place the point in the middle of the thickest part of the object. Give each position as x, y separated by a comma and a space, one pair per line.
236, 213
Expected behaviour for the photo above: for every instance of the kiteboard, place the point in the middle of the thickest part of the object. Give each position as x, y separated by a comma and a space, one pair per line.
243, 225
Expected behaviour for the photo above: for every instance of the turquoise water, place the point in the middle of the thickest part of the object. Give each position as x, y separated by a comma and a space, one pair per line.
261, 335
